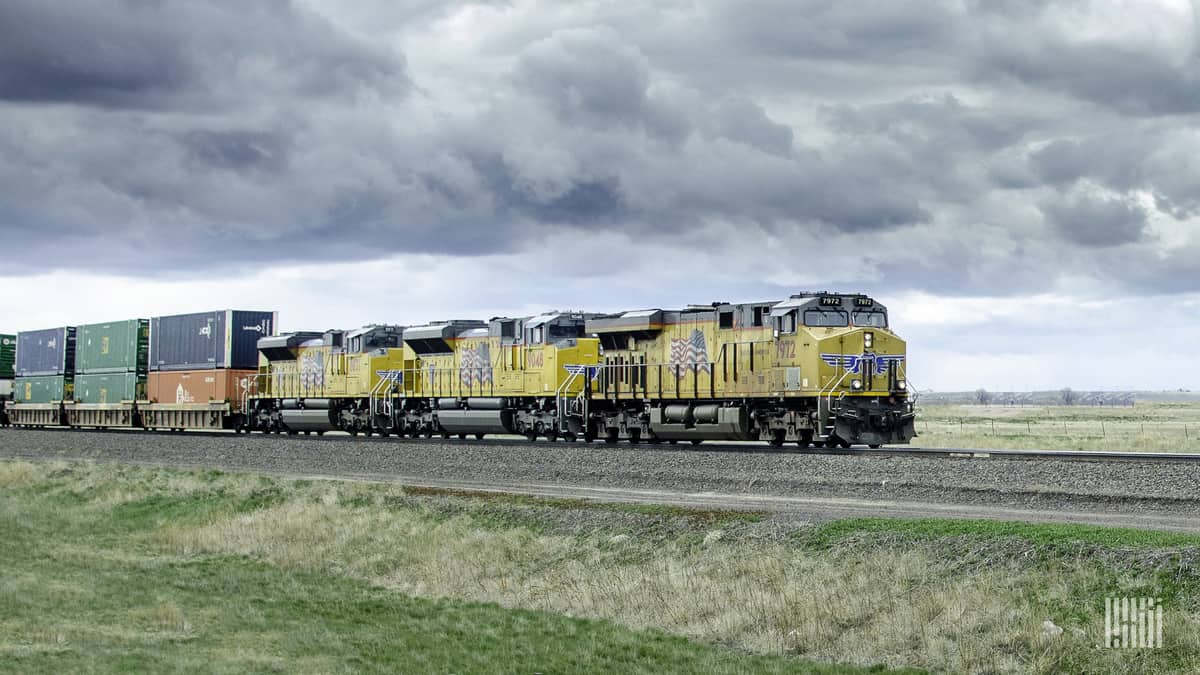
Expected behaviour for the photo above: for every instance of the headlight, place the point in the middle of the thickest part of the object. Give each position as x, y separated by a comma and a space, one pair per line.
856, 384
868, 339
901, 385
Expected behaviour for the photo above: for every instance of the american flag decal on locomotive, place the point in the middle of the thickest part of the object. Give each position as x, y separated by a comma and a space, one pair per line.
476, 366
690, 354
853, 362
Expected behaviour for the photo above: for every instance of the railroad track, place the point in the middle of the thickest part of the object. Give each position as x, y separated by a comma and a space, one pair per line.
754, 447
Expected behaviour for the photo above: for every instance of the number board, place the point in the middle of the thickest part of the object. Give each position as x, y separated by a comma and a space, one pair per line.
828, 301
863, 302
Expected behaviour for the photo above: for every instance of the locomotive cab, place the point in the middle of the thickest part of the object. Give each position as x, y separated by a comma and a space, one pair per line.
861, 386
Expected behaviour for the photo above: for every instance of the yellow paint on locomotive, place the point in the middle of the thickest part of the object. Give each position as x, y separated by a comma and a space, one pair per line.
326, 372
698, 359
483, 366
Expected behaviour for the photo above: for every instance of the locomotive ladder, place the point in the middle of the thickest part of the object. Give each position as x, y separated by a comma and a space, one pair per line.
380, 399
575, 406
826, 412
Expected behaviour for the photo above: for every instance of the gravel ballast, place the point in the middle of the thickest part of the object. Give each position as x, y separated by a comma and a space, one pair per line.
1150, 487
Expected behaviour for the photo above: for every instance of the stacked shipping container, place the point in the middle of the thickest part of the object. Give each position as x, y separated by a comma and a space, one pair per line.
8, 357
111, 361
45, 365
205, 357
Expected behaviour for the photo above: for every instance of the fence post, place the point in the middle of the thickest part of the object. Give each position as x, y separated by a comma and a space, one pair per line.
1185, 433
993, 427
960, 430
1102, 431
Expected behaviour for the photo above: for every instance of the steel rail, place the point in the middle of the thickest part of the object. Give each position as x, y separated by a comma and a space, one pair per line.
709, 446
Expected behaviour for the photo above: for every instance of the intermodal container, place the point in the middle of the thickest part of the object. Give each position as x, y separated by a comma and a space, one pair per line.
113, 347
8, 356
42, 389
222, 339
110, 387
199, 386
46, 352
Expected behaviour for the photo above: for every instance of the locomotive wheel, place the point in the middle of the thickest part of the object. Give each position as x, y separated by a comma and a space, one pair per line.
845, 444
610, 436
777, 438
552, 435
353, 431
531, 435
428, 433
445, 435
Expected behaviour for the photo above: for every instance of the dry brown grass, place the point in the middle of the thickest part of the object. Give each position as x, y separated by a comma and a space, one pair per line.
874, 606
1145, 427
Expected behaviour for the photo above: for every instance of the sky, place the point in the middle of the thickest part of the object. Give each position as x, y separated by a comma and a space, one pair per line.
1017, 180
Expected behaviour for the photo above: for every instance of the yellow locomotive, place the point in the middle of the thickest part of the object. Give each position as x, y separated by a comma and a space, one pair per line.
817, 367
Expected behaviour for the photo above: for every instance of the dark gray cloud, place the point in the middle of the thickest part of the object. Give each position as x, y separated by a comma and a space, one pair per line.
1092, 220
974, 148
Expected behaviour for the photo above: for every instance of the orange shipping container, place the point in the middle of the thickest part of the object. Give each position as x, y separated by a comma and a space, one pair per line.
197, 386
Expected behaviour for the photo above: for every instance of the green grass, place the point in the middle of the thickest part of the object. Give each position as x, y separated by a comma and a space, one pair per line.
88, 587
130, 568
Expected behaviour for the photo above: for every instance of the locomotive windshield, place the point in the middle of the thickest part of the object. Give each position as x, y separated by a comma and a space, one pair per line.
825, 317
875, 318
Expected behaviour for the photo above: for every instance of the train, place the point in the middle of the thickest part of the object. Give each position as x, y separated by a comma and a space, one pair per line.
814, 369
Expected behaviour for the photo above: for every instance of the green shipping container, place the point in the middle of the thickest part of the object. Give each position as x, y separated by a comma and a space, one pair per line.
8, 355
110, 387
42, 389
113, 347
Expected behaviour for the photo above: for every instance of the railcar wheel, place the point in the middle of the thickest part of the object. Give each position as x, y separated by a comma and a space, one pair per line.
428, 433
697, 441
873, 446
479, 437
845, 444
462, 437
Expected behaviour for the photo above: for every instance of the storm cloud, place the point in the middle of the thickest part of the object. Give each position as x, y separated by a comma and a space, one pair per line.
987, 148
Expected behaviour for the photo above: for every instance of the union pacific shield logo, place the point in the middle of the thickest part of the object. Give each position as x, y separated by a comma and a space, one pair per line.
853, 362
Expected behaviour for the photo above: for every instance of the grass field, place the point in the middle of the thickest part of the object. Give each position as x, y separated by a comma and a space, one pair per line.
1157, 427
119, 568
